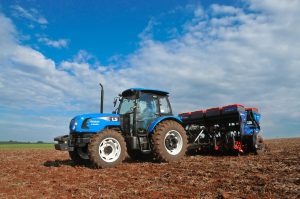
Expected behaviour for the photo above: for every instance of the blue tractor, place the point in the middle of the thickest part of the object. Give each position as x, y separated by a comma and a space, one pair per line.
142, 125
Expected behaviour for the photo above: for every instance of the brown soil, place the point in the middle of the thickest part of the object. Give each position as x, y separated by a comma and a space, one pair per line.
34, 173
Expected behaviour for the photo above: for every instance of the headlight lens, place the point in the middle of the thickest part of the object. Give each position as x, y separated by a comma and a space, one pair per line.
74, 125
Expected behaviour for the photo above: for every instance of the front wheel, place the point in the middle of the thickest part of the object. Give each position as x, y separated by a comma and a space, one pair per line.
169, 141
107, 148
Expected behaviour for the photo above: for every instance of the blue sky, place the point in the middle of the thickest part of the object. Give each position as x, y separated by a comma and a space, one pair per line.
104, 28
206, 53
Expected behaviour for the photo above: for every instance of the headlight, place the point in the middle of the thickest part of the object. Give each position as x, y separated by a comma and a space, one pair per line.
74, 125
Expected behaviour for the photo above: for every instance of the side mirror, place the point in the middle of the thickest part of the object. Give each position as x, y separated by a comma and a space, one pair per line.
115, 101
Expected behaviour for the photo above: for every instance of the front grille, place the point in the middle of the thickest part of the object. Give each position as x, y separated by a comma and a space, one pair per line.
79, 139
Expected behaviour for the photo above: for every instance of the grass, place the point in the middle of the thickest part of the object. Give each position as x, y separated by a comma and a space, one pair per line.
26, 146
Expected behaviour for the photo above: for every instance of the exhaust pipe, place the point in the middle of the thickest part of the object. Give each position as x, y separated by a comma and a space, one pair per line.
101, 99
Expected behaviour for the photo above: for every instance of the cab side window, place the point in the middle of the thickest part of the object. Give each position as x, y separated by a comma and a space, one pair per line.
126, 106
147, 105
164, 106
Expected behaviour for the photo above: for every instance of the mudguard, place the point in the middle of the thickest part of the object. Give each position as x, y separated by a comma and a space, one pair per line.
93, 123
160, 119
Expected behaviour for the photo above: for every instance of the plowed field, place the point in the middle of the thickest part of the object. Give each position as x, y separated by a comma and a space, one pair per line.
46, 173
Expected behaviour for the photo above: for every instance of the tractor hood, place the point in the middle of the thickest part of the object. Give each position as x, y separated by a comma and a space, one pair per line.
93, 123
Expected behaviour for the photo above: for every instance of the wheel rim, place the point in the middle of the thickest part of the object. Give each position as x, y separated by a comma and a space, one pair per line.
173, 142
109, 150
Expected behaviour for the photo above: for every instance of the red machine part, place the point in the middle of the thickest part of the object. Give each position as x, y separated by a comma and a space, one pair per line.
219, 108
217, 147
238, 146
233, 105
198, 111
185, 113
213, 109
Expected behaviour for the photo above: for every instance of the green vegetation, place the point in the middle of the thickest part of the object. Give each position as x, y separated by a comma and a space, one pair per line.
26, 146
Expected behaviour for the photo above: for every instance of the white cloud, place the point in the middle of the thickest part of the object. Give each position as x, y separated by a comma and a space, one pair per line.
199, 12
246, 56
31, 14
220, 9
84, 57
60, 43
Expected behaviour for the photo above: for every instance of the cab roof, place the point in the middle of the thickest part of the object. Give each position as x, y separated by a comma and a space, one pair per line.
155, 91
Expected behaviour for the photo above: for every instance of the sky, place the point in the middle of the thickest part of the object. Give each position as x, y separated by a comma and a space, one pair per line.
207, 53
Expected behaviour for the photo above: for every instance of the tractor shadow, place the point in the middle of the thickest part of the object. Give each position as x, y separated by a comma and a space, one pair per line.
70, 163
58, 163
134, 161
210, 153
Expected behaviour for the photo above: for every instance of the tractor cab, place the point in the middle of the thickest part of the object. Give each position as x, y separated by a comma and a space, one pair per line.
139, 108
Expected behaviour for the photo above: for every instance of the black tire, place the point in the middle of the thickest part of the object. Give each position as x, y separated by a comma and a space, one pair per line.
164, 144
80, 156
107, 149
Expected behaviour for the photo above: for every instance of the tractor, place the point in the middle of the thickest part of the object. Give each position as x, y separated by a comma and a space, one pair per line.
142, 125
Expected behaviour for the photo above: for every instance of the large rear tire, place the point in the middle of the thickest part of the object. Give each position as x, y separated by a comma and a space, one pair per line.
169, 141
80, 156
107, 148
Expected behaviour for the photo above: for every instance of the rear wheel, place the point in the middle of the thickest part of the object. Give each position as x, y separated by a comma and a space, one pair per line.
169, 141
80, 156
107, 148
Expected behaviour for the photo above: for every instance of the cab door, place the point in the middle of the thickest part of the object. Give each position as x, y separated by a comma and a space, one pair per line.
127, 113
147, 111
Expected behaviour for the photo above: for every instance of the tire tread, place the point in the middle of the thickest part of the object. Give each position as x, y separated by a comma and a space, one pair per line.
159, 150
